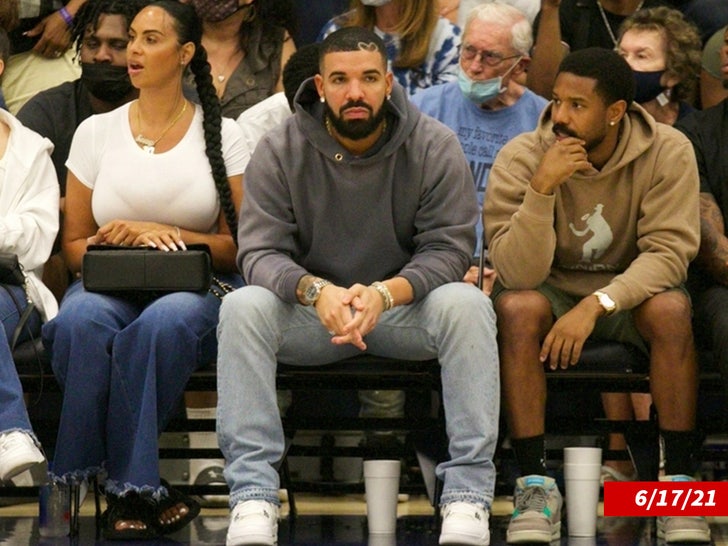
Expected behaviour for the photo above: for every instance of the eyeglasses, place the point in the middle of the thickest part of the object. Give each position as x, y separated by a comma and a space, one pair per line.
491, 58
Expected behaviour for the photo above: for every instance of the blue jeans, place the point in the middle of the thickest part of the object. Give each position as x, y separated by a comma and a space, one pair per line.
13, 413
123, 368
454, 323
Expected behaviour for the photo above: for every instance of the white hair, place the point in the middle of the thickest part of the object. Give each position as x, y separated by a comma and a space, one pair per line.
505, 15
530, 8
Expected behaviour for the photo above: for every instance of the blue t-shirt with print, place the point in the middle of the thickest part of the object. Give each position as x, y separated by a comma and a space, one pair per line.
482, 133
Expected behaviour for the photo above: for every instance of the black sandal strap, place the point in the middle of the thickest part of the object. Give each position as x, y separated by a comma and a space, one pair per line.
129, 507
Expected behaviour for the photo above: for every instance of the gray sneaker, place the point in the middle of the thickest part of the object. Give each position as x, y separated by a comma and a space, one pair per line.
682, 528
537, 513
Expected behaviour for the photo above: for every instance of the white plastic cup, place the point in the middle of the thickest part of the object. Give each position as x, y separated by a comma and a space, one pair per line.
582, 470
583, 455
382, 540
381, 484
583, 541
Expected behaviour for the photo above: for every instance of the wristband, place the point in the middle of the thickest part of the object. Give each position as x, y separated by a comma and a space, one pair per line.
387, 298
66, 16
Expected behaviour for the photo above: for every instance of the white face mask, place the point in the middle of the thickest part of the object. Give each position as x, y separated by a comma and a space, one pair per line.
375, 3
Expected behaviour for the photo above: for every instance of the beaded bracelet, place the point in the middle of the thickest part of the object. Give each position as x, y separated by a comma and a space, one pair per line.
67, 17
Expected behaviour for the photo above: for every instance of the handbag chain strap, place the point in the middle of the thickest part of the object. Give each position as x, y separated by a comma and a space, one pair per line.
220, 288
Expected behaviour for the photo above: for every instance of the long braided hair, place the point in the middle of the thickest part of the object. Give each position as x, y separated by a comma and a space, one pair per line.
189, 29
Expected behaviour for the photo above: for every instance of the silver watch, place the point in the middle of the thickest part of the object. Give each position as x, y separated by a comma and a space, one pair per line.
606, 302
313, 292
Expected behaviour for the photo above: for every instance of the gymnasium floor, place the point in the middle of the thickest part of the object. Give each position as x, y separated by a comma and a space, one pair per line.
332, 520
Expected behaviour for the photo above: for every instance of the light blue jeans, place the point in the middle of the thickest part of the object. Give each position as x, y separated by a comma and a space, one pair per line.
13, 414
123, 368
454, 323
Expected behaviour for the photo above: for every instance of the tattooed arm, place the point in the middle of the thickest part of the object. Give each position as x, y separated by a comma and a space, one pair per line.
713, 253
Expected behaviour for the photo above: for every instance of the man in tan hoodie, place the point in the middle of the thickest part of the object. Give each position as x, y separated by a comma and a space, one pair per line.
591, 222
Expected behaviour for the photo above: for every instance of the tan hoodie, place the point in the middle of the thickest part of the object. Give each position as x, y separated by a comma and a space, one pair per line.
630, 229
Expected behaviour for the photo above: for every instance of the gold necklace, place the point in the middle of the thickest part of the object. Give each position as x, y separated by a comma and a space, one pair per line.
147, 144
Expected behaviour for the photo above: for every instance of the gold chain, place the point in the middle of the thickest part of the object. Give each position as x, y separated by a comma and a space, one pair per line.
147, 144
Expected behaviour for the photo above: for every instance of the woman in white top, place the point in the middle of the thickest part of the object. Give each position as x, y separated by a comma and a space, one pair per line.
157, 172
29, 198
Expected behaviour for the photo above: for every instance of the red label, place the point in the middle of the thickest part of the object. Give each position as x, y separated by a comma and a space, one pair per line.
665, 498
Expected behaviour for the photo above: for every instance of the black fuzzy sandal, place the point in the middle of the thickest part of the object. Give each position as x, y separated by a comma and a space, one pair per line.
174, 498
130, 507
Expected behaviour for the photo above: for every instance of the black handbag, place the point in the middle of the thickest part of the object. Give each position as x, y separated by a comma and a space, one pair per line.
11, 272
124, 270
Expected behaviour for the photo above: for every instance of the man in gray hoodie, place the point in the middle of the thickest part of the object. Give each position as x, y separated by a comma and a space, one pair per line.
357, 225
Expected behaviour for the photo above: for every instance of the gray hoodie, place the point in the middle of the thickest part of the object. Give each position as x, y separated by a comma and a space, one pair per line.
406, 209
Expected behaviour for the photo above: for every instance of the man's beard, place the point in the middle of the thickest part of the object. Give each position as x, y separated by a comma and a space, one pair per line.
354, 129
589, 144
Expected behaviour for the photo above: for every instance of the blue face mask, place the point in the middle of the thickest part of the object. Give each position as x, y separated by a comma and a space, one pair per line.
481, 91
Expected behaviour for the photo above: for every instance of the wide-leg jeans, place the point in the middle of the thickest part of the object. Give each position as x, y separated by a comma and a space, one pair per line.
123, 368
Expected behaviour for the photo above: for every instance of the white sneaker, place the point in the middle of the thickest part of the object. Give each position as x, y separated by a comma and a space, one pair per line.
18, 453
464, 523
253, 522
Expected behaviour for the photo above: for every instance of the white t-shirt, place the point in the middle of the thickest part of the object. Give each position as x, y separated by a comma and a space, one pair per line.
174, 187
262, 117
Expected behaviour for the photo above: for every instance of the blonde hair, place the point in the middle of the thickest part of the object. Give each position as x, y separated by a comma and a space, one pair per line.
417, 22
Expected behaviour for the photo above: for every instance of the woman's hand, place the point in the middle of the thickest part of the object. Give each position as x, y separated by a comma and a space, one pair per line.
132, 233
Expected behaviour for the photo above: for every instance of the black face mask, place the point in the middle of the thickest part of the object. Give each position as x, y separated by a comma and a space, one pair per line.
106, 82
647, 85
217, 10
